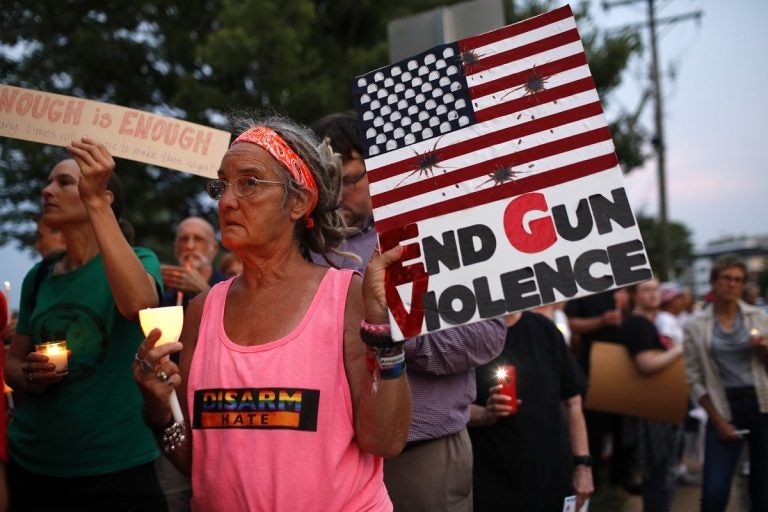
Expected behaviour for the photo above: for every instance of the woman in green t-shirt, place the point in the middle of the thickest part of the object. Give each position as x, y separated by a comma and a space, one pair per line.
77, 441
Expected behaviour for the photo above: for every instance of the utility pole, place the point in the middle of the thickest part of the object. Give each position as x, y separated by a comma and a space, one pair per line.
666, 258
665, 270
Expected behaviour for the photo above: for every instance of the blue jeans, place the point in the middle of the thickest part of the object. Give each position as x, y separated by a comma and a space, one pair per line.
721, 457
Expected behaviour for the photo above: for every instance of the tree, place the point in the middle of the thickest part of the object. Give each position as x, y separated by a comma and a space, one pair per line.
133, 53
681, 250
199, 60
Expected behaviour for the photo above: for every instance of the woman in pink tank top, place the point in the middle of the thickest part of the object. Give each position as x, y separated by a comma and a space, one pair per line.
285, 406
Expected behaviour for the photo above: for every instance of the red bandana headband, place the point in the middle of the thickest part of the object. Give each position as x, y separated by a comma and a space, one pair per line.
282, 152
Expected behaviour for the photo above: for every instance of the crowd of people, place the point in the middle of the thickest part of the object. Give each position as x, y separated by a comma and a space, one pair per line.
294, 394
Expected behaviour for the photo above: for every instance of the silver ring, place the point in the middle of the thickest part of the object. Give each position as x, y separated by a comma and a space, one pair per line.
162, 376
145, 366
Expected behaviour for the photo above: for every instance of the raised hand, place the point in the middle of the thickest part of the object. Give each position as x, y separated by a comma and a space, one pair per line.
96, 164
374, 289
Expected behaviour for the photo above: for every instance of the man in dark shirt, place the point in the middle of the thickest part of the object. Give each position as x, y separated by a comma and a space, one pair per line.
597, 318
533, 459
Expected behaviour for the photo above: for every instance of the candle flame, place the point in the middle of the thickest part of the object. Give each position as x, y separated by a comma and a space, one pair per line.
54, 350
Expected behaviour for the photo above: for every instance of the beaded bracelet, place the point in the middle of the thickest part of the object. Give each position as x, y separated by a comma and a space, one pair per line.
172, 434
378, 329
377, 335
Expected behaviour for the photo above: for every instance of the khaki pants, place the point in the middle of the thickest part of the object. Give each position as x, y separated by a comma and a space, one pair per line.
432, 476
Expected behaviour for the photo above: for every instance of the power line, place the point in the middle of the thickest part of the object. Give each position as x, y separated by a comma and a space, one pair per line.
666, 268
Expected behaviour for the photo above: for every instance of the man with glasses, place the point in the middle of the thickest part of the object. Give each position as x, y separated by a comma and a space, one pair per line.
434, 471
195, 248
355, 200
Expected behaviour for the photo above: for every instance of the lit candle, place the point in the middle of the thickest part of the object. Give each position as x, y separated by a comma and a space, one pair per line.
506, 378
179, 293
7, 289
8, 396
56, 351
169, 320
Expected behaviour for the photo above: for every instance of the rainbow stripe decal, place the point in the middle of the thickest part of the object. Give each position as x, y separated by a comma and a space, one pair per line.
264, 408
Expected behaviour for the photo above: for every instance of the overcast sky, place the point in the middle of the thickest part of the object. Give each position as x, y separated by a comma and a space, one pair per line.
717, 164
717, 159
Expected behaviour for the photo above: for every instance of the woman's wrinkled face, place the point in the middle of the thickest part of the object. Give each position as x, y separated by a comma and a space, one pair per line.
262, 216
61, 197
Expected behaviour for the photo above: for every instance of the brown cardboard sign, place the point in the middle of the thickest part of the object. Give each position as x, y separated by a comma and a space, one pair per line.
617, 386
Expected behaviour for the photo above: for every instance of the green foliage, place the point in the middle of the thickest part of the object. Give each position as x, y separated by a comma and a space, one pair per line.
200, 59
681, 246
131, 53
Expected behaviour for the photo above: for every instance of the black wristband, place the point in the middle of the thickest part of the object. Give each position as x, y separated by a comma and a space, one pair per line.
582, 460
378, 340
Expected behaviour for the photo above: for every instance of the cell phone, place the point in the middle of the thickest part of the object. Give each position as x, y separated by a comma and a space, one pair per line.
743, 431
506, 378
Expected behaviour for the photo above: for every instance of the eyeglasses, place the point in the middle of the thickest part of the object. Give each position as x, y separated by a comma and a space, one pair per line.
242, 186
348, 183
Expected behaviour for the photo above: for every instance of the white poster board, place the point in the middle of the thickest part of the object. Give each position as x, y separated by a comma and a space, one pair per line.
491, 162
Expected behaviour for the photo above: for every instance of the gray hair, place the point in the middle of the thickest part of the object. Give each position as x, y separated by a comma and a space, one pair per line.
330, 229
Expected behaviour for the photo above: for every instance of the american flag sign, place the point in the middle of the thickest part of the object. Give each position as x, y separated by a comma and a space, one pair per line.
466, 143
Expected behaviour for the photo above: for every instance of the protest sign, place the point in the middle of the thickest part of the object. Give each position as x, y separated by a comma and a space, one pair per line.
128, 133
617, 386
491, 162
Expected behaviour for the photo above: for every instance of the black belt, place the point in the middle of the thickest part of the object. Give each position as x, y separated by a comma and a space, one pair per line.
741, 392
410, 445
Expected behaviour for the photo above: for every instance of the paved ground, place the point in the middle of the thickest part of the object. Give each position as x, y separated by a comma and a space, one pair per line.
686, 499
